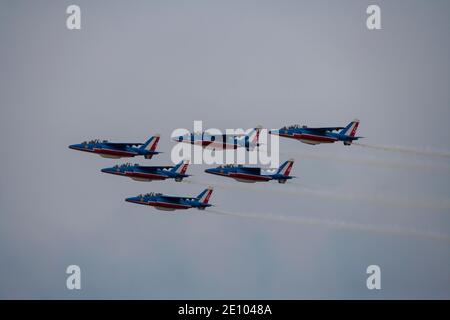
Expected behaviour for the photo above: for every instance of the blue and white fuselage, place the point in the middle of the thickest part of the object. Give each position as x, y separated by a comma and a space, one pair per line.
170, 203
254, 174
118, 150
222, 141
320, 135
150, 173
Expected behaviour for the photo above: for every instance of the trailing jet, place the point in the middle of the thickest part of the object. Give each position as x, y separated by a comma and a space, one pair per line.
320, 135
150, 173
117, 150
254, 174
223, 141
170, 203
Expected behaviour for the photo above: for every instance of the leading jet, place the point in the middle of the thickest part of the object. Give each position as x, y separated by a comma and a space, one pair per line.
254, 174
117, 150
150, 173
320, 135
223, 141
169, 203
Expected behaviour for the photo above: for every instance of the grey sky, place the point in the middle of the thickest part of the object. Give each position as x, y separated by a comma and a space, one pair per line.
141, 67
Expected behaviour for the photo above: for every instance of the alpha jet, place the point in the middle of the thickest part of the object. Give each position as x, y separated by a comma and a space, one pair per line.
150, 173
254, 174
223, 141
117, 150
169, 203
320, 135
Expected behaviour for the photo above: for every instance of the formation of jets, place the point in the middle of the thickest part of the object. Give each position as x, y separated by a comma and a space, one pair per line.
240, 173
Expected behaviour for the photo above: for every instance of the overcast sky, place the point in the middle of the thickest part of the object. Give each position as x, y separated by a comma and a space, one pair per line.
142, 67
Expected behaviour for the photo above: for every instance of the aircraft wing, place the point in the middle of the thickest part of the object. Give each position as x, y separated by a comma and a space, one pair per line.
324, 129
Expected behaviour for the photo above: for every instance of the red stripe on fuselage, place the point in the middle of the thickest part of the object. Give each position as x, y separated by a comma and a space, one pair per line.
311, 137
246, 176
168, 205
114, 152
142, 175
163, 204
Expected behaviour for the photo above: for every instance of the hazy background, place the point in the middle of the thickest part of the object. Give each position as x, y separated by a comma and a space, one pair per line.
142, 67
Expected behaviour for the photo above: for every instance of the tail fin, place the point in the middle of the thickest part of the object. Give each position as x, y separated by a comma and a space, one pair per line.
350, 129
205, 195
151, 144
181, 167
253, 136
286, 168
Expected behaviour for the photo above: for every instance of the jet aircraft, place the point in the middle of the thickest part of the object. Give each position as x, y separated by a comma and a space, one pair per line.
223, 141
320, 135
150, 173
170, 203
118, 150
254, 174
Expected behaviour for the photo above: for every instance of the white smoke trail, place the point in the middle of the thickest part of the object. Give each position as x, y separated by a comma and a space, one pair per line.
377, 199
381, 163
422, 152
389, 230
337, 196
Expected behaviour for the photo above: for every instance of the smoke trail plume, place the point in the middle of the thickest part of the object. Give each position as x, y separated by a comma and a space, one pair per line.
388, 230
380, 163
374, 199
424, 152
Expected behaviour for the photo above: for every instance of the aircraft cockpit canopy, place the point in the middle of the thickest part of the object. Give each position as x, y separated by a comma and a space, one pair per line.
125, 165
152, 194
230, 166
93, 141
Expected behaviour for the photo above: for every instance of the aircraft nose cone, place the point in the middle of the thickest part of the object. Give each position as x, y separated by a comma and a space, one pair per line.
73, 146
131, 199
106, 170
